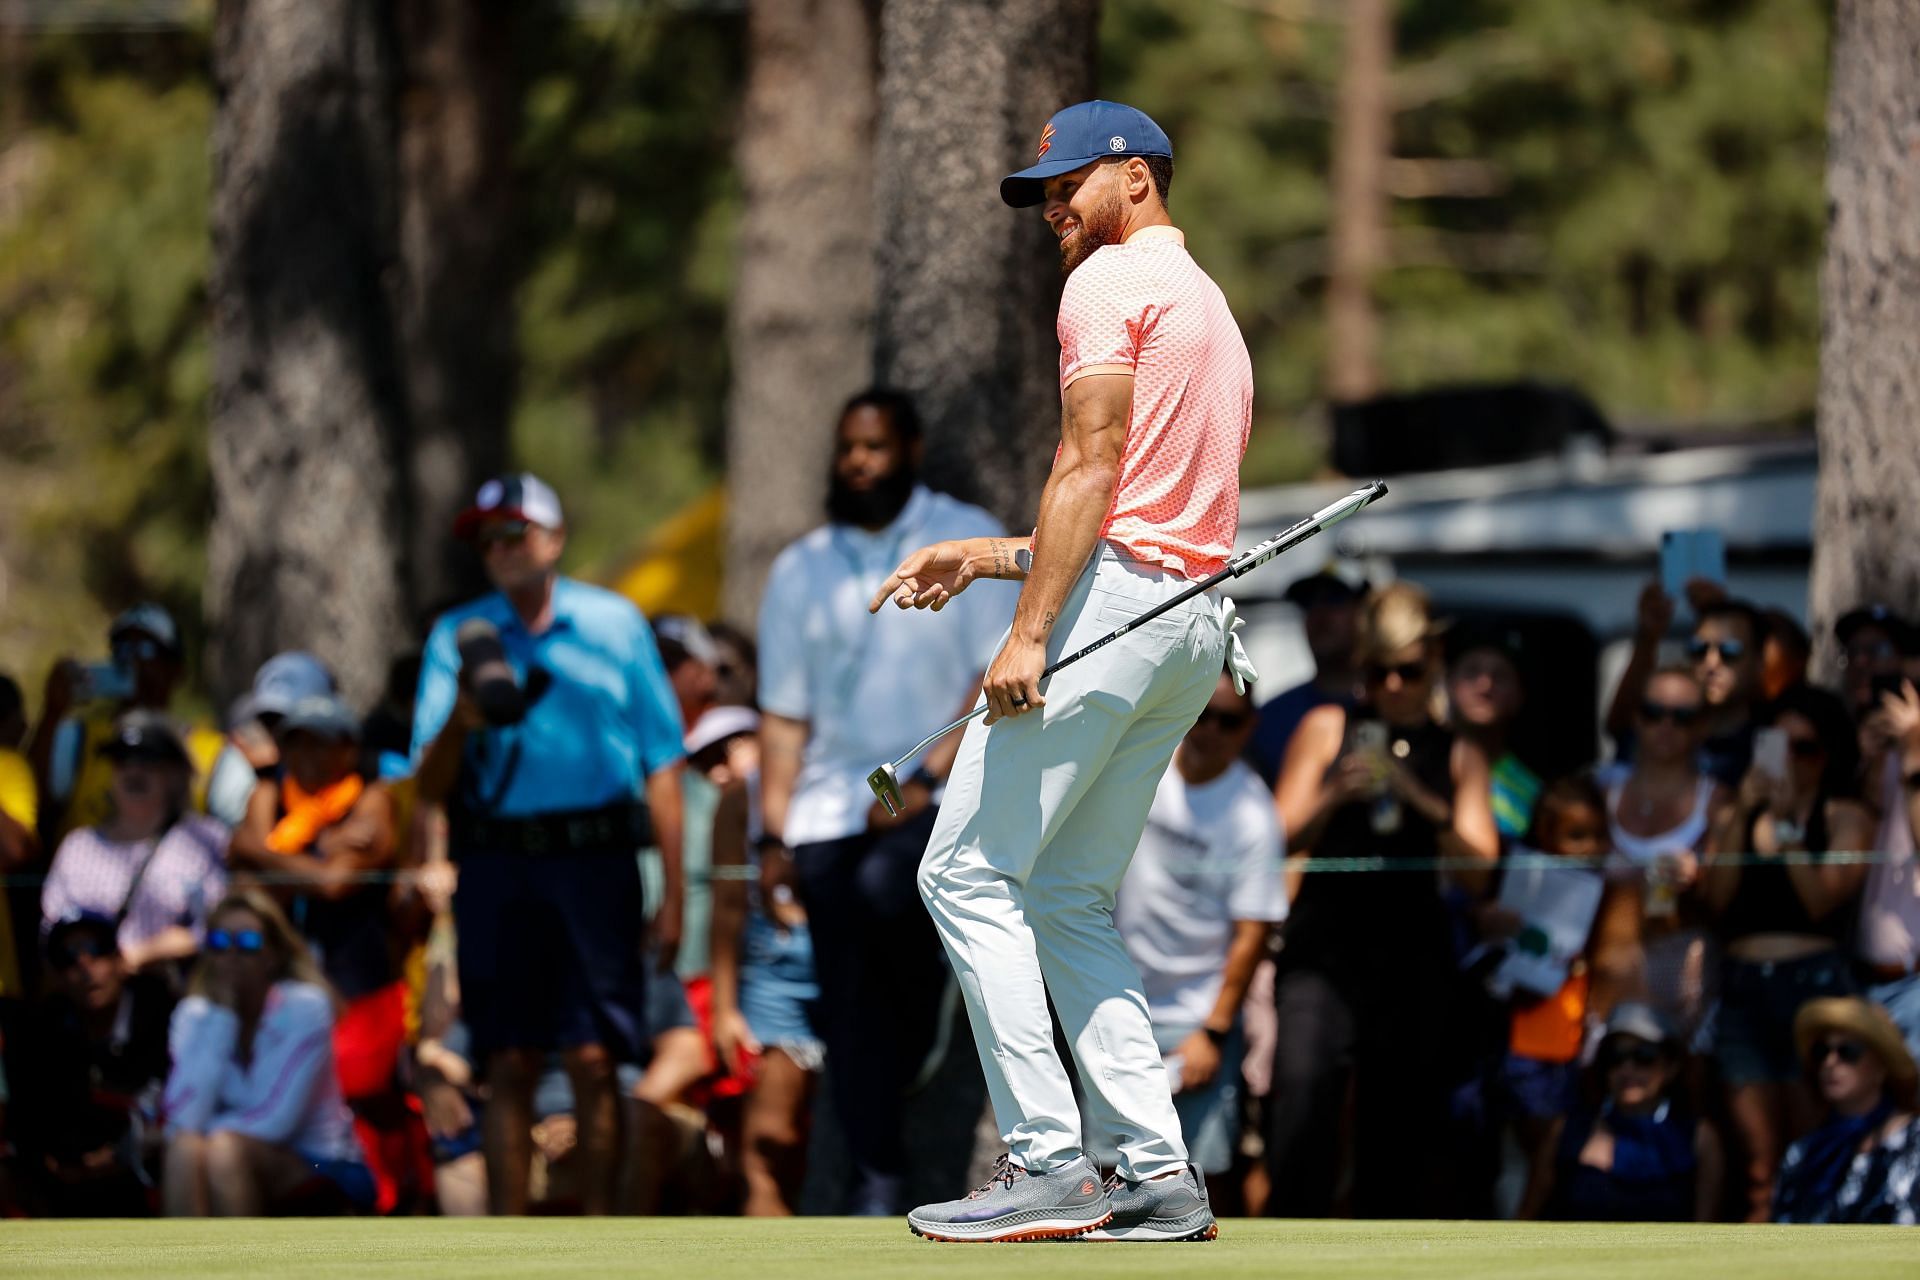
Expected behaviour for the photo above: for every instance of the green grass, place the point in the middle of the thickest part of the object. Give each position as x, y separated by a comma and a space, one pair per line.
846, 1249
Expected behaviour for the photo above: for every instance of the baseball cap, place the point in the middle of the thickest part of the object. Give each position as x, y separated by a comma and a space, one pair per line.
696, 640
718, 724
1081, 134
323, 715
77, 919
147, 619
1324, 587
145, 735
1897, 628
281, 681
1642, 1022
522, 496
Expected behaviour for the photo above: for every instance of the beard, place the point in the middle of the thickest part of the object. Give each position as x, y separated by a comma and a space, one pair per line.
873, 508
1102, 226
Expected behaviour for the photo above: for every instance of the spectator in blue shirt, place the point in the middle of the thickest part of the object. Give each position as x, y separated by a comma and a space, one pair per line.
546, 724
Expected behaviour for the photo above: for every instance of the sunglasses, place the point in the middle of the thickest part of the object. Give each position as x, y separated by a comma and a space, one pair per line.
83, 949
1640, 1055
137, 650
1228, 720
504, 532
1861, 655
1655, 712
1729, 650
248, 942
1848, 1051
1408, 672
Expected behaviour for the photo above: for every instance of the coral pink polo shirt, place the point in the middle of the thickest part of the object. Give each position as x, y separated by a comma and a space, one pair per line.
1145, 308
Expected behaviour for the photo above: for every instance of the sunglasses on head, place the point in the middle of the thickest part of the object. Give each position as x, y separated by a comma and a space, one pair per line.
1655, 712
83, 949
1848, 1051
1408, 672
247, 942
1228, 720
1640, 1055
504, 532
1730, 650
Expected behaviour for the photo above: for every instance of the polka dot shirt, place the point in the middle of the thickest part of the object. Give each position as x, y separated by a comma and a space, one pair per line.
1145, 308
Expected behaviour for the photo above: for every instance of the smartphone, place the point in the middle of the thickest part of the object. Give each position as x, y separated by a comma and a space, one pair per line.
1370, 736
1686, 554
1888, 682
103, 682
1770, 752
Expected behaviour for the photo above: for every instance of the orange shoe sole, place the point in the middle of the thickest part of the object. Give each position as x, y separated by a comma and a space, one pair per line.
1018, 1237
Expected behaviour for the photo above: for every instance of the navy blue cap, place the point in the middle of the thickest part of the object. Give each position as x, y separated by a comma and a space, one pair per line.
1079, 135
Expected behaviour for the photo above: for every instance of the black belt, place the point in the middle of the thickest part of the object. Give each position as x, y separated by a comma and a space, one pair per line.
617, 828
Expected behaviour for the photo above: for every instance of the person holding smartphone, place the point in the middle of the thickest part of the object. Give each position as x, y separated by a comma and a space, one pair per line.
1363, 975
1782, 912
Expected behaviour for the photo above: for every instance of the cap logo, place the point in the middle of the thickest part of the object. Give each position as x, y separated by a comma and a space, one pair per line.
1046, 141
491, 494
1116, 143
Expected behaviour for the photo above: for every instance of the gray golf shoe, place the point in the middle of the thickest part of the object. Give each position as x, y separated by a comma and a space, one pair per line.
1175, 1208
1017, 1205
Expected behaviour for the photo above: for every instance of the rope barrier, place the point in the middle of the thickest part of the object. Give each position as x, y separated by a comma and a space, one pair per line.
1310, 865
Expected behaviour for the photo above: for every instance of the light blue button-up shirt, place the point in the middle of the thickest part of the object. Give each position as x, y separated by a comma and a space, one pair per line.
608, 720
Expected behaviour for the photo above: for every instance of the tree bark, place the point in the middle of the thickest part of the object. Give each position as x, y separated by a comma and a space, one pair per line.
800, 325
1869, 407
308, 398
968, 290
1362, 139
458, 116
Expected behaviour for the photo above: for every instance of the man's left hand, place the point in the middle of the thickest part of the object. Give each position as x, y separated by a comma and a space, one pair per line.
1199, 1061
1012, 685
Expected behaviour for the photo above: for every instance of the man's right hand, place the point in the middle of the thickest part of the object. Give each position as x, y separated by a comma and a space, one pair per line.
466, 715
928, 578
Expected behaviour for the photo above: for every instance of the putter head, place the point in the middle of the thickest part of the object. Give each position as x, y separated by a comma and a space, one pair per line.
886, 788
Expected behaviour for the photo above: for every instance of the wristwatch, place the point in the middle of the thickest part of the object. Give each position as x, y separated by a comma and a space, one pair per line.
1219, 1038
1023, 559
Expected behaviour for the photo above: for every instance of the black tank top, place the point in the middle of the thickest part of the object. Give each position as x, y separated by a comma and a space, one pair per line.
1765, 900
1378, 920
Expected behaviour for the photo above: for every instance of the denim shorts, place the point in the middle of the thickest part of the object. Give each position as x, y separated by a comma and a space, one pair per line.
1754, 1028
778, 992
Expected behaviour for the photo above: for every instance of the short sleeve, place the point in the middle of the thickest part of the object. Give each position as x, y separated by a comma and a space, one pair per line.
652, 704
783, 658
439, 685
1106, 315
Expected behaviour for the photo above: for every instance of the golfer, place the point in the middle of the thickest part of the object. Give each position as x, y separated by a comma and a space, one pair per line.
1047, 800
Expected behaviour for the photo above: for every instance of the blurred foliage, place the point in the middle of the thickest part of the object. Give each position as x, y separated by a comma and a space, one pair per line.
627, 156
1652, 236
103, 343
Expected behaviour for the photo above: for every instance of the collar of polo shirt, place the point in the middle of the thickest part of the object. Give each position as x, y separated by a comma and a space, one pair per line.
1158, 231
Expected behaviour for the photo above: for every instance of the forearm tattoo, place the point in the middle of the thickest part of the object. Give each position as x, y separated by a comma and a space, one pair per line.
1001, 561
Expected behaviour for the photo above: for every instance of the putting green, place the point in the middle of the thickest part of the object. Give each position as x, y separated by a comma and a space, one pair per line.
847, 1249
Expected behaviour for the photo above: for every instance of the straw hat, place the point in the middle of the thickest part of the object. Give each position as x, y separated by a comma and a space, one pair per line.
1871, 1026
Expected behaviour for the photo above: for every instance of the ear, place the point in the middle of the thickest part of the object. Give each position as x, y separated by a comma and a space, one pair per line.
1138, 179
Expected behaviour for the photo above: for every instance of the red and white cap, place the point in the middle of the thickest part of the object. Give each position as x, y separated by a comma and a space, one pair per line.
523, 496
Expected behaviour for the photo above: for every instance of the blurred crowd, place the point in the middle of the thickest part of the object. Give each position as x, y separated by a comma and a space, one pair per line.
597, 914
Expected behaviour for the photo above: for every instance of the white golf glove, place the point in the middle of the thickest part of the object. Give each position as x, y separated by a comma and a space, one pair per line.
1237, 660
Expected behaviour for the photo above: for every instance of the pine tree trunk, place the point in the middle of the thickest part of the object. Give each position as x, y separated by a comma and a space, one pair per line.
969, 289
1362, 138
308, 399
1869, 412
801, 321
458, 114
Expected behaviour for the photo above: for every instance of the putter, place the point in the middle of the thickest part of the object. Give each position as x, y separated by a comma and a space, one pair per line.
885, 780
